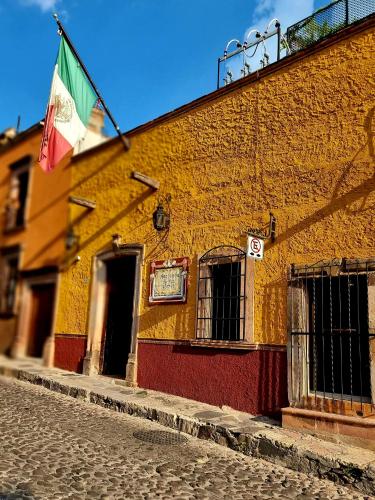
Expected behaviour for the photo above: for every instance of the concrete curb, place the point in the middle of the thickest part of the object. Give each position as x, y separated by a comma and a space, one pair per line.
300, 452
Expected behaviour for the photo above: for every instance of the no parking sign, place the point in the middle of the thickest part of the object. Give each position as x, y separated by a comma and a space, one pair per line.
255, 247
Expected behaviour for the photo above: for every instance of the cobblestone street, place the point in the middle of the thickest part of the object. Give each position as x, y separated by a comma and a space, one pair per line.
53, 447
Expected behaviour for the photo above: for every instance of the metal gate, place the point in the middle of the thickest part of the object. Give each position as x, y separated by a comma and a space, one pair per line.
331, 313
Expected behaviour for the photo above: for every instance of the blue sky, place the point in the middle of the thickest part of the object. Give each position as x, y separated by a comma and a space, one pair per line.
146, 56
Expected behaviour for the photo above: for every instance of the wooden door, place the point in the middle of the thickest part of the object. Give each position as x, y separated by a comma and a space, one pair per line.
41, 315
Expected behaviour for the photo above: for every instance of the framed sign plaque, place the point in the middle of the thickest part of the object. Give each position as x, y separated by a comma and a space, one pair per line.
168, 280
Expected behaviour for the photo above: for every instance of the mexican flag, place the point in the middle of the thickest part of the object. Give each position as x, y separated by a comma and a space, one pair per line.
69, 109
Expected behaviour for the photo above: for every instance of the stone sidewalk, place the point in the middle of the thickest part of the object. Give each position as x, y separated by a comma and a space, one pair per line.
239, 431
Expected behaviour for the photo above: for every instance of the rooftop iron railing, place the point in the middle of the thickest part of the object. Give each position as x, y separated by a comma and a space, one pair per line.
326, 21
272, 44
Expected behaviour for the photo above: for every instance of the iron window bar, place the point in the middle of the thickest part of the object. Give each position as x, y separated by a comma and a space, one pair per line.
330, 308
221, 295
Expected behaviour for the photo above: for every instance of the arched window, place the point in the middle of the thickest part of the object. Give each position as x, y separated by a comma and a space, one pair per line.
221, 306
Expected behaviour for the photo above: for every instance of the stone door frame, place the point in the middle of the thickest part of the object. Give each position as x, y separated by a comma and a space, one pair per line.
97, 307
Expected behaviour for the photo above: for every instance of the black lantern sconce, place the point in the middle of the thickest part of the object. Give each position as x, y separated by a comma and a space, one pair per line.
161, 216
71, 239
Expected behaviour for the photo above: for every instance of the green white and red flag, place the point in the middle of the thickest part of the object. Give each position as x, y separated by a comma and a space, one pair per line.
69, 108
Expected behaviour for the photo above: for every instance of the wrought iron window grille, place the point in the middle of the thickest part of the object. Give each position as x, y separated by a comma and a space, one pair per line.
221, 295
331, 329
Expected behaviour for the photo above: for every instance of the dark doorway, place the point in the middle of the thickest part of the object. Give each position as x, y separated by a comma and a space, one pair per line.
41, 315
117, 335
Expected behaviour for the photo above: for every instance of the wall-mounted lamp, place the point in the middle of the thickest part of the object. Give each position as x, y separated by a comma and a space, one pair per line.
71, 239
161, 217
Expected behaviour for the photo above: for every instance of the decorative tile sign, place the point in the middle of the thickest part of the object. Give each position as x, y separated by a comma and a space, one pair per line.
168, 280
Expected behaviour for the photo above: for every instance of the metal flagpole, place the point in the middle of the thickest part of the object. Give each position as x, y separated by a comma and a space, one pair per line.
124, 139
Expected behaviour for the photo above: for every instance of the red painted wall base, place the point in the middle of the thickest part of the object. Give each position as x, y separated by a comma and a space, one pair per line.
69, 352
251, 381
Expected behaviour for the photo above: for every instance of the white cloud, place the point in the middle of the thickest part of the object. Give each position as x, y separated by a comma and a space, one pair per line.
286, 11
44, 5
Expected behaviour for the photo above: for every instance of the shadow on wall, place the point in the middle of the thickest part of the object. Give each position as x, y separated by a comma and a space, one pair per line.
64, 195
274, 297
347, 172
18, 492
126, 211
342, 200
47, 262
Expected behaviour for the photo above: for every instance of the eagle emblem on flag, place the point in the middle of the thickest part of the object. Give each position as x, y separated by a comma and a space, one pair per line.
63, 108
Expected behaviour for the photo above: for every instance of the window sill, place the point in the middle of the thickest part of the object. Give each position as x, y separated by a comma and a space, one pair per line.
240, 345
14, 229
224, 344
7, 315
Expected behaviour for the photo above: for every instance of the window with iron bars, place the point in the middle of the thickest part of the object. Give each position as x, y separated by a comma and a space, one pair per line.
9, 261
15, 206
221, 311
330, 322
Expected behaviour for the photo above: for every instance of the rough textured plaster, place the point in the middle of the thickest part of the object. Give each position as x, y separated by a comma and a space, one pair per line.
298, 142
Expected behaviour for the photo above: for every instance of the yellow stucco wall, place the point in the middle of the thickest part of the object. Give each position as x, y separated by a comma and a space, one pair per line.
298, 142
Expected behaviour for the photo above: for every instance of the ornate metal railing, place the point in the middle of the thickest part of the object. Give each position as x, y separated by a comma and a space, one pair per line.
327, 21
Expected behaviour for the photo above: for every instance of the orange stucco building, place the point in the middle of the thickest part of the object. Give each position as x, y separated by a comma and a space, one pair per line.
32, 242
33, 238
